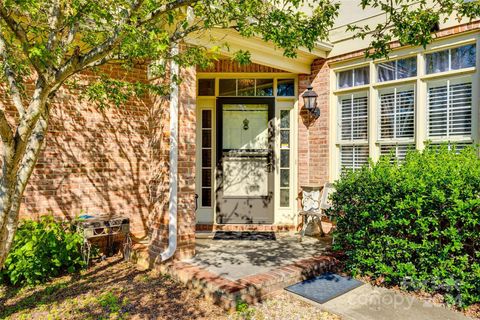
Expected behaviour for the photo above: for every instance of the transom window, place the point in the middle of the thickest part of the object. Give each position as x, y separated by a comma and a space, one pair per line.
451, 59
246, 87
397, 69
353, 78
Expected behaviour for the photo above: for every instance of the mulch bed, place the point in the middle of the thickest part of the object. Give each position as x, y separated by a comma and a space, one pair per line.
111, 289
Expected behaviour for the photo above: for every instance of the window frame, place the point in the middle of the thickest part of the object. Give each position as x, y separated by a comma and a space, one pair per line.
378, 116
353, 77
420, 83
465, 138
377, 66
449, 52
353, 95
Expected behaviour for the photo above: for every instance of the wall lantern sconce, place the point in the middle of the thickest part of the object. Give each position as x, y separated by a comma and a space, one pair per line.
310, 101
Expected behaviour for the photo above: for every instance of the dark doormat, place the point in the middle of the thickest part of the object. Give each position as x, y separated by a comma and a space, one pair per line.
324, 287
244, 235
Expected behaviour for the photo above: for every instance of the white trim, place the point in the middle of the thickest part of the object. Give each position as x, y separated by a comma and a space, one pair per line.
282, 215
420, 83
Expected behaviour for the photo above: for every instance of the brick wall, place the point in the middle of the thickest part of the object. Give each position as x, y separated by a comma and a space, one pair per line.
94, 161
115, 161
159, 183
313, 132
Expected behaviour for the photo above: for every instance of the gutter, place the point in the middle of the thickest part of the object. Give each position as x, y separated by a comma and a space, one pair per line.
173, 181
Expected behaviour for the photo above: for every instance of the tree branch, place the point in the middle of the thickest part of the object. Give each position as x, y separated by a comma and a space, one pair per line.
54, 14
6, 131
166, 8
21, 36
10, 75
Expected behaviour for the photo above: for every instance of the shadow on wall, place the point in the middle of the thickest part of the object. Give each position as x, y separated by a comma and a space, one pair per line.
110, 162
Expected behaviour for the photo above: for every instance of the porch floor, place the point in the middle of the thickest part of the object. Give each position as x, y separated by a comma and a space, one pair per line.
228, 270
236, 259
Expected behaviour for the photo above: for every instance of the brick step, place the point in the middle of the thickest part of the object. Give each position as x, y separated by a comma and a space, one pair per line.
251, 289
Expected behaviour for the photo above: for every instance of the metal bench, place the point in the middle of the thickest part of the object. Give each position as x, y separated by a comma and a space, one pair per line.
314, 204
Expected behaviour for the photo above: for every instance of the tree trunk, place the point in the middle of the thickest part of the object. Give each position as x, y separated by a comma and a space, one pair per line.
15, 177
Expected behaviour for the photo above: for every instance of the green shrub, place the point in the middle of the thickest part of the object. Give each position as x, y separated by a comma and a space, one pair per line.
42, 249
414, 224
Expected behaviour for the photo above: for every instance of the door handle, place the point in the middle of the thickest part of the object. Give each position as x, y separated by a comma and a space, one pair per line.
196, 202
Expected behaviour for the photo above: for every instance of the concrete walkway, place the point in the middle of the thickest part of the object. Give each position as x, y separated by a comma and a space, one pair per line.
368, 303
236, 259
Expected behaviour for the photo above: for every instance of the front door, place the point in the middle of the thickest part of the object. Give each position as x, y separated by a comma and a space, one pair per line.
245, 140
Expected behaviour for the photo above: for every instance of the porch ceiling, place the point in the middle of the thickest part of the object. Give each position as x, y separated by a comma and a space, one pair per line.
261, 52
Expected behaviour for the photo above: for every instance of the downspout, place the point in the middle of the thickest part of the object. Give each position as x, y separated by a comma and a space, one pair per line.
173, 187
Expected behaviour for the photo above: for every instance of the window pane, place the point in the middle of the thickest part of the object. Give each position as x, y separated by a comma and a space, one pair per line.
284, 139
405, 113
353, 120
246, 87
460, 113
450, 109
361, 76
284, 197
284, 158
437, 62
346, 118
353, 157
227, 87
386, 71
206, 177
284, 177
206, 138
406, 68
206, 118
463, 57
387, 118
285, 87
359, 121
398, 152
285, 119
206, 87
264, 87
345, 79
206, 197
206, 158
437, 105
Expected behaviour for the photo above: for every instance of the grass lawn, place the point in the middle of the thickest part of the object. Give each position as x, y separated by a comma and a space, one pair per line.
114, 289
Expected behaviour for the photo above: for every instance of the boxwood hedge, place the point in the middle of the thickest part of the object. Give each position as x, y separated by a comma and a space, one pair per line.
415, 224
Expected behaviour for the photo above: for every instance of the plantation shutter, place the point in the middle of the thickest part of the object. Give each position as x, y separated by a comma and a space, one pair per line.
354, 118
353, 157
397, 109
450, 109
397, 151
